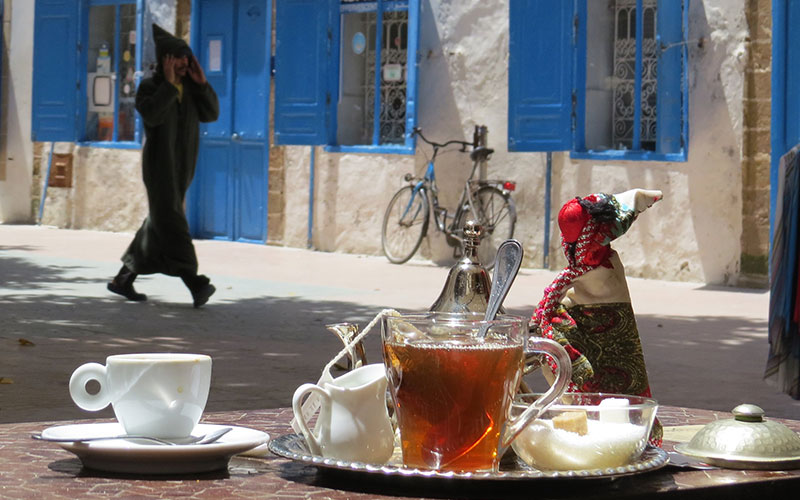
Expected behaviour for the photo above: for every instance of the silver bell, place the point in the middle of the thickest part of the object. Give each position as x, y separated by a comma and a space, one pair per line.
468, 283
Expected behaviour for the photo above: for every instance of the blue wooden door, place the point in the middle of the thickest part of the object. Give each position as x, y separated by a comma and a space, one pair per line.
228, 199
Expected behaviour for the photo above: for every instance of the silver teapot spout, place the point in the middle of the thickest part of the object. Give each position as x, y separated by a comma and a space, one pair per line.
356, 356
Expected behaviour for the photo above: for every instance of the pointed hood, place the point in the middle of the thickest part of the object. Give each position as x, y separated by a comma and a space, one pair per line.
167, 44
630, 204
615, 213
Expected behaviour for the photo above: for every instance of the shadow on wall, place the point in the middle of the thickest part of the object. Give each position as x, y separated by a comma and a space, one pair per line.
440, 119
19, 198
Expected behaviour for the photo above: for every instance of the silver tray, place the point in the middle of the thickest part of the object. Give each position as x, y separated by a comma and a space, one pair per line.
294, 447
732, 461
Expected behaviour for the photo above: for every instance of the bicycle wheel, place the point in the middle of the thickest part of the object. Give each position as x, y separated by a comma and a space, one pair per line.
404, 224
497, 214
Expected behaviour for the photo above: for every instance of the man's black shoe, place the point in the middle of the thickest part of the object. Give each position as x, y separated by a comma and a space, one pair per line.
127, 291
202, 295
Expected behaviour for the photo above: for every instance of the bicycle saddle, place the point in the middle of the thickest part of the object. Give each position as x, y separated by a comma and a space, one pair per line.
480, 153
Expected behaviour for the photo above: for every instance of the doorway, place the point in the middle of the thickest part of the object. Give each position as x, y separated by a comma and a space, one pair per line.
228, 198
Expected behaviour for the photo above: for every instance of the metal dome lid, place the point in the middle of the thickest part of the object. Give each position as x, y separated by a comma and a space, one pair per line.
746, 441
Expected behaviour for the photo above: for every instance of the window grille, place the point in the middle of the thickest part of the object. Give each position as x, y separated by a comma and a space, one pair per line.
393, 90
625, 74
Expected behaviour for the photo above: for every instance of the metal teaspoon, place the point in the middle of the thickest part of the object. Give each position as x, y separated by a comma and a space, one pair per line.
506, 266
209, 438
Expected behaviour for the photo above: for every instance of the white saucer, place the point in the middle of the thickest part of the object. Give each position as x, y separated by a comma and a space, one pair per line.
136, 457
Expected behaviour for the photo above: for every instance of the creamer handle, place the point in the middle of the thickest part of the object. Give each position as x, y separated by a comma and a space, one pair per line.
297, 408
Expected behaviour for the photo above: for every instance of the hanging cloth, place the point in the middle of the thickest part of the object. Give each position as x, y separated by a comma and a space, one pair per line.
783, 361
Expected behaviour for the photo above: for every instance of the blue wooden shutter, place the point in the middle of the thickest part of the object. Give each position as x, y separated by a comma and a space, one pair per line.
672, 38
412, 62
540, 75
304, 55
55, 62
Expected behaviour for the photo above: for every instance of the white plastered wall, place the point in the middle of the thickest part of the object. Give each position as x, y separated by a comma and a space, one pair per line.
693, 234
107, 192
15, 186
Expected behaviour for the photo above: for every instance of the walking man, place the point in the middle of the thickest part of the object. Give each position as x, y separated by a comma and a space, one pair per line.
171, 103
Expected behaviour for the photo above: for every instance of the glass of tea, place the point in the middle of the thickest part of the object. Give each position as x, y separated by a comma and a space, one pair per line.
453, 377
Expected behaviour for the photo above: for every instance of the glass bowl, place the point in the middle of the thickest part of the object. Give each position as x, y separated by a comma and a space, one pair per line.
583, 431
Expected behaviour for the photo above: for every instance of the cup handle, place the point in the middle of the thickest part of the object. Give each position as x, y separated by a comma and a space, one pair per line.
77, 387
297, 408
563, 377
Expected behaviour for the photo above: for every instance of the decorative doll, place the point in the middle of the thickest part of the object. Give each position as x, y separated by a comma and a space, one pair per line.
587, 308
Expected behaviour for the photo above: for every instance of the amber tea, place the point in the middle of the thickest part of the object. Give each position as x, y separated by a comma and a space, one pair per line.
452, 378
452, 399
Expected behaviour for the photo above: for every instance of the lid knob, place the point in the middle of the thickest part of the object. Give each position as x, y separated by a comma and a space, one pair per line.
472, 238
748, 413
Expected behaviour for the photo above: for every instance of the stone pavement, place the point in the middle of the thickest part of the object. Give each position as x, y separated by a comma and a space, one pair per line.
705, 346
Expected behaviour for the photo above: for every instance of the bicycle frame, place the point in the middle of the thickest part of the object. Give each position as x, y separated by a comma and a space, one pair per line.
486, 201
466, 202
430, 178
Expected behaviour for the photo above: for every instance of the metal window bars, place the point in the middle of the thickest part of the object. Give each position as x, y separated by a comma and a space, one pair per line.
635, 80
394, 44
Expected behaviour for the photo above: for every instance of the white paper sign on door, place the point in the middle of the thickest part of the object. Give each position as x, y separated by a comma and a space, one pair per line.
215, 55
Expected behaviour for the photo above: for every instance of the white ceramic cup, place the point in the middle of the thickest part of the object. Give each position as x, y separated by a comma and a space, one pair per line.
159, 394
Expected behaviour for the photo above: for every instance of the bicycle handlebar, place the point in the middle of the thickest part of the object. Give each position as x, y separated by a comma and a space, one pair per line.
437, 145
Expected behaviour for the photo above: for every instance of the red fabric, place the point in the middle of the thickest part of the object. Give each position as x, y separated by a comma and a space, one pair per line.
597, 254
571, 219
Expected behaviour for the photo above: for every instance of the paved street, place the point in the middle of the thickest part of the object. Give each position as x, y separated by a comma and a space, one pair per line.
705, 346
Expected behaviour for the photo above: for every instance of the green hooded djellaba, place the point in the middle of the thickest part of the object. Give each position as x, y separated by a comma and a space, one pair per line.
171, 117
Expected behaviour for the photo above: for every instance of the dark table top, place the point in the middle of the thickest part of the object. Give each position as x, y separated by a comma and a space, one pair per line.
39, 469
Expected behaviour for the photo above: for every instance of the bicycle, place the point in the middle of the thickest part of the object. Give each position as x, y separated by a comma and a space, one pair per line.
487, 202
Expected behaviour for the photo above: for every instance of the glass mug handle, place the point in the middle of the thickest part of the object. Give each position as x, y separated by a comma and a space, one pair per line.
563, 377
77, 387
297, 407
